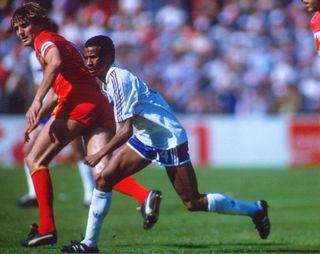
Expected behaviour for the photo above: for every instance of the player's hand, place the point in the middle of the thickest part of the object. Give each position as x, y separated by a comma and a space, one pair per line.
92, 160
27, 135
32, 113
29, 129
32, 116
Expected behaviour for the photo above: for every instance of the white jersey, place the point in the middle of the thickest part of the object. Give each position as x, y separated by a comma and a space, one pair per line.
155, 124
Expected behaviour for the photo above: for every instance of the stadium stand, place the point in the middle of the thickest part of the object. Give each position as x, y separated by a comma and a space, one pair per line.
240, 57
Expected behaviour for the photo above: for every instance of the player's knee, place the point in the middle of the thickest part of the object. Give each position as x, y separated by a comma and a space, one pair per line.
100, 166
30, 163
98, 180
78, 156
101, 183
33, 163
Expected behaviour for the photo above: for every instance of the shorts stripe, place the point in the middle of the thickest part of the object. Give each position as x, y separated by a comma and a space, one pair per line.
137, 151
171, 157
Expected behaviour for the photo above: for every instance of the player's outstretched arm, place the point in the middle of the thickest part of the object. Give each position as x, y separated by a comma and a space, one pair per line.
122, 135
52, 64
48, 106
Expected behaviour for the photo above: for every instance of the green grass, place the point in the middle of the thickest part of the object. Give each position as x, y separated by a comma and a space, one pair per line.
294, 211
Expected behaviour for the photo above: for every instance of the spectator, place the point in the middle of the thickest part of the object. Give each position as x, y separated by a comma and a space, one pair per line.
232, 57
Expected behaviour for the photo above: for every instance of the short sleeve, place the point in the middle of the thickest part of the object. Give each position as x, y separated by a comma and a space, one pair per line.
45, 48
43, 44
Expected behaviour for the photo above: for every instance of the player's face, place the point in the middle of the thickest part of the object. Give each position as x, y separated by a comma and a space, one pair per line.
26, 32
312, 5
95, 62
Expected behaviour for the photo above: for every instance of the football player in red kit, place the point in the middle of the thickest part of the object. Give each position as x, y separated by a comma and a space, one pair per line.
80, 109
314, 6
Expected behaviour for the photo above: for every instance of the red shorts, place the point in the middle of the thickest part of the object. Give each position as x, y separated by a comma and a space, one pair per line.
90, 108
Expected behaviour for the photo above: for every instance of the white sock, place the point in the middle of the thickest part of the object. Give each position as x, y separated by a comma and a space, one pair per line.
99, 208
87, 181
223, 204
31, 192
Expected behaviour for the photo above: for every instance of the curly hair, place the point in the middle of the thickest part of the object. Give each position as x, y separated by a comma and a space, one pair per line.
106, 45
32, 12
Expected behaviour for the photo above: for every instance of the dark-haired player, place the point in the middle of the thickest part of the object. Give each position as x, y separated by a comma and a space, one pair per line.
159, 137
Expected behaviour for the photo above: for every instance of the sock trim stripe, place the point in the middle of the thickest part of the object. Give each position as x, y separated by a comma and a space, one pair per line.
38, 169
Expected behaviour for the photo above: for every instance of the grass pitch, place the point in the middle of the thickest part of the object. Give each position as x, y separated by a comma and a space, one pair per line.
293, 196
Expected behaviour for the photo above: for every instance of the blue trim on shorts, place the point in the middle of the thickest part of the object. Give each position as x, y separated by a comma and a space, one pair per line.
176, 156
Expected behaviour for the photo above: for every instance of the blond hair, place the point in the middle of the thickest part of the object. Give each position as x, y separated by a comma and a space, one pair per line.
32, 12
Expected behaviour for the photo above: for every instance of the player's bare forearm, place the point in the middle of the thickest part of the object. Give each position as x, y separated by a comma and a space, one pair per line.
49, 103
122, 135
47, 107
33, 112
51, 71
52, 65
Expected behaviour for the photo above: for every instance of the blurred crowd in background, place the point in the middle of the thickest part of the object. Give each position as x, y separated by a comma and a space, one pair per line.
241, 57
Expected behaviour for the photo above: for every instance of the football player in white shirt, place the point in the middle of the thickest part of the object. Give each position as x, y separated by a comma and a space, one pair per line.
159, 137
134, 190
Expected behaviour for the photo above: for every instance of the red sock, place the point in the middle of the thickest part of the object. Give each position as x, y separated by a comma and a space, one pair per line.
132, 188
43, 188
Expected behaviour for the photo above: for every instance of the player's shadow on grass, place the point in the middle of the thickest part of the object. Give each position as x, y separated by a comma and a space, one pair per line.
234, 247
270, 251
221, 248
188, 245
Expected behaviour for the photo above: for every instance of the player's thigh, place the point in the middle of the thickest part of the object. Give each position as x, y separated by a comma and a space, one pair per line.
55, 135
77, 147
28, 145
123, 163
95, 140
184, 180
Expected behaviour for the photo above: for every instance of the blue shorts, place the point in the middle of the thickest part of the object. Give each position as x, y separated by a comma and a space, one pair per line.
45, 119
171, 157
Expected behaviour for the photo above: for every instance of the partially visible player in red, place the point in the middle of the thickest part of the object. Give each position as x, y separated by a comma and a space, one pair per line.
313, 6
80, 110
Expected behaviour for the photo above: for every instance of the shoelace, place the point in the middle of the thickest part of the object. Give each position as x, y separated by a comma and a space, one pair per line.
75, 242
33, 230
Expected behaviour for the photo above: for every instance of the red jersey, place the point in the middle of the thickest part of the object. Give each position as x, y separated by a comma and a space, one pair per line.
315, 27
79, 96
